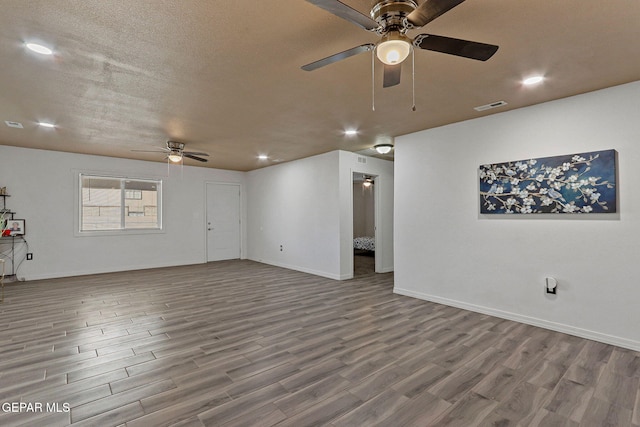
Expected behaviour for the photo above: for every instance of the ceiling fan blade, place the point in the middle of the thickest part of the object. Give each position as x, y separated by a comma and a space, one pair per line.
194, 153
343, 11
458, 47
191, 156
430, 10
391, 75
339, 57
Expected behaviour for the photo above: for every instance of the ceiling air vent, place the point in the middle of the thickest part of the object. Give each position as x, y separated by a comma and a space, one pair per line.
490, 106
16, 125
362, 159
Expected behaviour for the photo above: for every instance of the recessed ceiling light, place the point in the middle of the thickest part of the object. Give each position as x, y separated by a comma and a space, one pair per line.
533, 80
263, 157
46, 124
38, 48
350, 132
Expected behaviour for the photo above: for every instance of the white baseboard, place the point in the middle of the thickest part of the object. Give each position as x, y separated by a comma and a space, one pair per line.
303, 269
346, 276
558, 327
63, 274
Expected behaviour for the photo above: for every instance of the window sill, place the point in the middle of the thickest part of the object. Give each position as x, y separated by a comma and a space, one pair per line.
108, 233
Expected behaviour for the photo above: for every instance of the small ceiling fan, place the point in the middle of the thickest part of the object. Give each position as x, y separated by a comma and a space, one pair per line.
391, 19
175, 152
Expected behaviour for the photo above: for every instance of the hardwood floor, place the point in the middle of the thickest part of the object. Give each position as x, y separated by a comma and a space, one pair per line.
240, 343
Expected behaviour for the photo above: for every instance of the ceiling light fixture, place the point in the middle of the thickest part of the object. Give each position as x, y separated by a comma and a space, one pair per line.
368, 181
350, 132
175, 156
533, 80
263, 157
393, 48
383, 148
38, 48
46, 125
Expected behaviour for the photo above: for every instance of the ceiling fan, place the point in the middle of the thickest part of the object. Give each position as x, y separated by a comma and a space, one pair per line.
175, 152
391, 19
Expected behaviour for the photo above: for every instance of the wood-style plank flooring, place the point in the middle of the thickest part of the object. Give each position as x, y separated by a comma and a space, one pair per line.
240, 343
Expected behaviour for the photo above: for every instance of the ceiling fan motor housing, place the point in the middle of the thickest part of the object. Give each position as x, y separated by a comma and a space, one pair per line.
391, 14
174, 145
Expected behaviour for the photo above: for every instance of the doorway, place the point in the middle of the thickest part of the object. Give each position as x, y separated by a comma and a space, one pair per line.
364, 224
223, 221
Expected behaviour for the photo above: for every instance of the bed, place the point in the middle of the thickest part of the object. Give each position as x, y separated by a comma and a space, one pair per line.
364, 243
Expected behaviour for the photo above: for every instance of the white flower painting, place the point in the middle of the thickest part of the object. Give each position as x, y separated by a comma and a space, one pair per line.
572, 184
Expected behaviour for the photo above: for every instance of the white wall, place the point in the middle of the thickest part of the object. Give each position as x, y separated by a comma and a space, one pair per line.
446, 252
306, 206
42, 188
296, 205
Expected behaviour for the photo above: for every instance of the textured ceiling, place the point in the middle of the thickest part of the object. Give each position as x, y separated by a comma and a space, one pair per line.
224, 76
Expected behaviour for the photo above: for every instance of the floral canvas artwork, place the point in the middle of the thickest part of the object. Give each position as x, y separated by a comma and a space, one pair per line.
572, 184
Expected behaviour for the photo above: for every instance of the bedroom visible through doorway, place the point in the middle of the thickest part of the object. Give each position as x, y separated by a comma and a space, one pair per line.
364, 229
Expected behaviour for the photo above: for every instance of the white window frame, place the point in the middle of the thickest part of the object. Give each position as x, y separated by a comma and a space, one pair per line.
121, 231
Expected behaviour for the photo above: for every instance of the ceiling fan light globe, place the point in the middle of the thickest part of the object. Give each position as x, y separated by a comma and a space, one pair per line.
175, 157
392, 52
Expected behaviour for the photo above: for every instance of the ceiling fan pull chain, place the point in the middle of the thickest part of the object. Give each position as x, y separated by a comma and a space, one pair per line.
413, 77
373, 79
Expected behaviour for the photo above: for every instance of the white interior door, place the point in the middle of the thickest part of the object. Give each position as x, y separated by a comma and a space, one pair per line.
223, 221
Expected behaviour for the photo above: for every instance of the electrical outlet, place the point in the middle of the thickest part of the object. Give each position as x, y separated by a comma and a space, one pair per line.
29, 256
280, 248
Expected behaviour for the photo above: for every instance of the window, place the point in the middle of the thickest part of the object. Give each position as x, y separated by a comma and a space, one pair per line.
133, 194
112, 203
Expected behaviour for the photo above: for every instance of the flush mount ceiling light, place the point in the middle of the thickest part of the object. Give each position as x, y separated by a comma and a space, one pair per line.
263, 157
38, 48
46, 125
350, 132
368, 181
383, 148
533, 80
